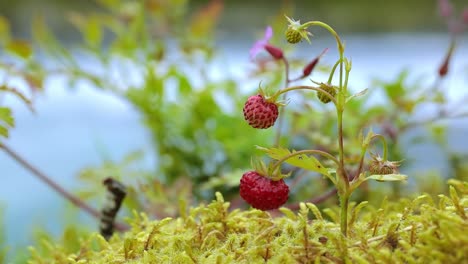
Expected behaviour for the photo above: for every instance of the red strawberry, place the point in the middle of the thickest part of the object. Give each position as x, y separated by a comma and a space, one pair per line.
259, 112
261, 192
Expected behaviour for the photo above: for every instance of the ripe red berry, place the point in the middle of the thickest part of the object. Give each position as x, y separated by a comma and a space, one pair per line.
261, 192
260, 113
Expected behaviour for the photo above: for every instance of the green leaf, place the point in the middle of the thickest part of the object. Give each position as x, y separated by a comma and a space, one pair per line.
5, 116
4, 29
3, 131
388, 177
20, 47
302, 160
89, 27
396, 90
361, 93
439, 134
92, 32
6, 121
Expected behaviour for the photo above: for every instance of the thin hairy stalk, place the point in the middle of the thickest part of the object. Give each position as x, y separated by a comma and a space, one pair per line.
332, 73
361, 164
305, 87
384, 144
364, 151
330, 29
56, 187
281, 113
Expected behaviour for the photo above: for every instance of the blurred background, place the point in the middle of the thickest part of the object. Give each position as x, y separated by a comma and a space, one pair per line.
95, 115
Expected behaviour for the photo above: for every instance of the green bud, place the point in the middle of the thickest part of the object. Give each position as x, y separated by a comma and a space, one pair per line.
293, 36
327, 88
383, 167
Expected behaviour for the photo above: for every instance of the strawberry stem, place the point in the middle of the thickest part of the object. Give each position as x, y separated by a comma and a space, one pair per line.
384, 144
305, 87
281, 113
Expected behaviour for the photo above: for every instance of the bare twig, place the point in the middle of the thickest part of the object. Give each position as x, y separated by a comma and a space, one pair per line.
59, 189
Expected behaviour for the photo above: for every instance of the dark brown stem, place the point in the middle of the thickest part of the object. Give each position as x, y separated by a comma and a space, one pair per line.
59, 189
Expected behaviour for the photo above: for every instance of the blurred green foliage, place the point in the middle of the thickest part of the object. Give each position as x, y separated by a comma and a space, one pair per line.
159, 62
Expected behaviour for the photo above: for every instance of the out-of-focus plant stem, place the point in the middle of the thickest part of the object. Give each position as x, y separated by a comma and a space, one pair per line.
56, 187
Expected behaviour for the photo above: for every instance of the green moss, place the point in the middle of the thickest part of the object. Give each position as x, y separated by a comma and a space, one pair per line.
420, 230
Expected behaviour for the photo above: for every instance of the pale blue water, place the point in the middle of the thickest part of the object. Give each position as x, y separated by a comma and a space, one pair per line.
75, 129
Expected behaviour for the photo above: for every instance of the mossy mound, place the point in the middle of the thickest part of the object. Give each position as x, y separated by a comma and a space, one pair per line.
408, 231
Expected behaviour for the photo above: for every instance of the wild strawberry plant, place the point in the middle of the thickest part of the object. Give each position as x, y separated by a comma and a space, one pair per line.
261, 111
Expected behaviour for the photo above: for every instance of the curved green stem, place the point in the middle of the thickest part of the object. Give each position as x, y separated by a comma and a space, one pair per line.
330, 29
384, 144
361, 164
343, 181
364, 151
304, 87
332, 73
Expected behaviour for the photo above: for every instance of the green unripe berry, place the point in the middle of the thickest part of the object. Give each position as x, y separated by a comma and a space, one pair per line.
293, 36
327, 88
383, 167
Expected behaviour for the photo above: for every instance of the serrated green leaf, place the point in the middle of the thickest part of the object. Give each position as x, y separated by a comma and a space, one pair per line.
307, 162
388, 177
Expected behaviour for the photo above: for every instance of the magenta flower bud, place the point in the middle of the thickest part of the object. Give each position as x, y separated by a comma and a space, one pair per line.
310, 67
444, 67
275, 52
445, 8
465, 15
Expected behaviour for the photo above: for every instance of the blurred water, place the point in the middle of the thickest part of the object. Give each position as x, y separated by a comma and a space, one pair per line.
74, 129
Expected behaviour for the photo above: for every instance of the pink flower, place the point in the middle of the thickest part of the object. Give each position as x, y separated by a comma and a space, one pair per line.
445, 8
465, 15
263, 44
260, 44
